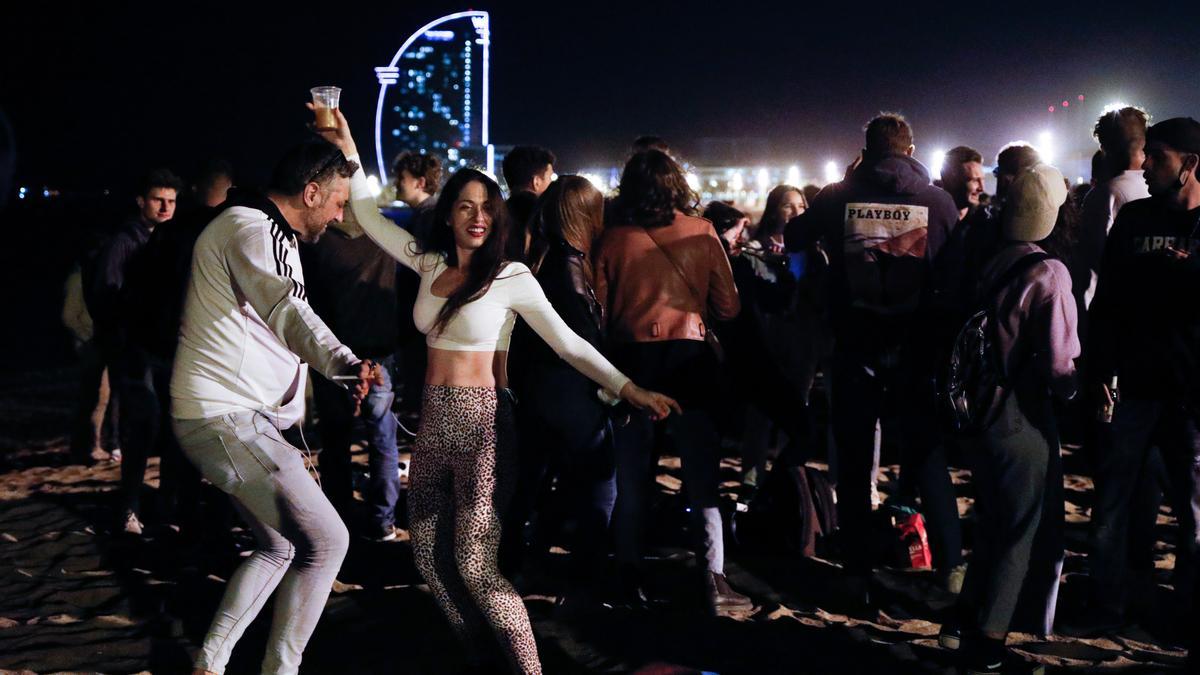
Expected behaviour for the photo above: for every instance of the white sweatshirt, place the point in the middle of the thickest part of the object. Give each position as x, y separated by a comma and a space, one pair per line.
247, 328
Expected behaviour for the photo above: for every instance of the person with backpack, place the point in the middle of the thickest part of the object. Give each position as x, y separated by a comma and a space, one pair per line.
1029, 318
882, 227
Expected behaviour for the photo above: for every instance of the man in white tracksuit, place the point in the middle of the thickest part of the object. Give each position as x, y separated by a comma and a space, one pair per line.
247, 338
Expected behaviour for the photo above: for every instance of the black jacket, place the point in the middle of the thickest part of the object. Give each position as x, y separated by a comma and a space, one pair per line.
105, 280
547, 388
883, 227
1145, 320
158, 281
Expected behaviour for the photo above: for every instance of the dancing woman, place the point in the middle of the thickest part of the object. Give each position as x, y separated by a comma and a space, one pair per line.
463, 469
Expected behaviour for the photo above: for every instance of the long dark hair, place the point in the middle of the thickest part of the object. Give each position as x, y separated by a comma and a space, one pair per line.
487, 261
771, 224
653, 187
571, 210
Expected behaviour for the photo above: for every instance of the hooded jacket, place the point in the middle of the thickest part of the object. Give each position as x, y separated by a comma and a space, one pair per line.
248, 329
883, 227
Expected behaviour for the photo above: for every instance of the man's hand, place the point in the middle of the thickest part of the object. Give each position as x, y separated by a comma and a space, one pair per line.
368, 373
339, 136
1106, 404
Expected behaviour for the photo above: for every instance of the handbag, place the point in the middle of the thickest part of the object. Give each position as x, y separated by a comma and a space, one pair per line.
710, 336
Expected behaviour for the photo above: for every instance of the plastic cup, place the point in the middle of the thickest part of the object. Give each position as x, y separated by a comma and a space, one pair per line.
325, 100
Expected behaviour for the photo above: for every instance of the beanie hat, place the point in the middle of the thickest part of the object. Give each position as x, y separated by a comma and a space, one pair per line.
1031, 208
1181, 134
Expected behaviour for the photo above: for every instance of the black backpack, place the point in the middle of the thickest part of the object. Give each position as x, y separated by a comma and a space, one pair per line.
974, 386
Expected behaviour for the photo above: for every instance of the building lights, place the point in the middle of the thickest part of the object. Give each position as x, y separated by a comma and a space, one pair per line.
446, 62
793, 175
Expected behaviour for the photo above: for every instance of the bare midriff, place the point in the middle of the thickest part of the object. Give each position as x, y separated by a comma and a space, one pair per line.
452, 368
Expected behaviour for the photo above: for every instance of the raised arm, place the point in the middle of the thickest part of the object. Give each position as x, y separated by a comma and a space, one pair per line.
397, 241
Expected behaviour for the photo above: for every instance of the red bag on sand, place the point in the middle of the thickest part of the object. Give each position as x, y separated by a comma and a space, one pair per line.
907, 544
912, 532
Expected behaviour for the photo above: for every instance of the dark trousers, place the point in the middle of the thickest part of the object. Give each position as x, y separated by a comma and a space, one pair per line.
145, 390
96, 405
1017, 560
1124, 458
687, 371
582, 462
871, 389
336, 407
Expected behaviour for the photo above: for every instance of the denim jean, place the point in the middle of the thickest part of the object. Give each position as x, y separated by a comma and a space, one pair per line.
336, 408
1123, 459
686, 371
144, 384
698, 444
301, 539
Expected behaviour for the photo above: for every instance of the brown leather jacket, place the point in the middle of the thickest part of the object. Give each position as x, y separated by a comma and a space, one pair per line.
644, 296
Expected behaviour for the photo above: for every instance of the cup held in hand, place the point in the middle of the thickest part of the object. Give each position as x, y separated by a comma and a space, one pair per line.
325, 101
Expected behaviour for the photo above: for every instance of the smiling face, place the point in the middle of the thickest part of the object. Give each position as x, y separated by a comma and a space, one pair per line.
470, 218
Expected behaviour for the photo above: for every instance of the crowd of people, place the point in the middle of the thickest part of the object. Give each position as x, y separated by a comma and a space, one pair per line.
570, 338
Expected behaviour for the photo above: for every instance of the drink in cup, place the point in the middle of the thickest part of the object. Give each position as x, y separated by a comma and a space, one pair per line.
325, 100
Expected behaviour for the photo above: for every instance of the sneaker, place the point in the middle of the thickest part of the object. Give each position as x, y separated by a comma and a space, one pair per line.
721, 597
384, 533
115, 455
131, 524
950, 637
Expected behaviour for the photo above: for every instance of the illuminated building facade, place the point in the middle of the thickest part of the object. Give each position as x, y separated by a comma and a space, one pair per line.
434, 95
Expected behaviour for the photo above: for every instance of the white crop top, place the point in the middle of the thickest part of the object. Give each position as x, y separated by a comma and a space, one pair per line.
485, 324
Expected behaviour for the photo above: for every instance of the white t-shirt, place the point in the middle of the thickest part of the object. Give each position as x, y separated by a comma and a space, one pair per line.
1099, 210
247, 328
484, 324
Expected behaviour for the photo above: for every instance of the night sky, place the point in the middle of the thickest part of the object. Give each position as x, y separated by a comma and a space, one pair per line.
96, 93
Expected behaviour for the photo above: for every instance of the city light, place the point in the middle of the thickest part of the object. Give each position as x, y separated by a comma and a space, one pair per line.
936, 158
598, 182
1045, 147
693, 181
764, 180
736, 182
793, 175
1114, 106
832, 172
373, 186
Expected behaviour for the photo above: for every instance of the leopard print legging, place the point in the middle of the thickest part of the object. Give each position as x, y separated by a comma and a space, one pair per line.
463, 475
